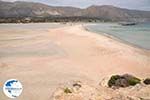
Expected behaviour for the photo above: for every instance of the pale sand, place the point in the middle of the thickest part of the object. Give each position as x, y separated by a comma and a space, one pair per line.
60, 55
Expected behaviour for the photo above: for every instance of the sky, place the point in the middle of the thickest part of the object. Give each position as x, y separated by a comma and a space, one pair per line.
130, 4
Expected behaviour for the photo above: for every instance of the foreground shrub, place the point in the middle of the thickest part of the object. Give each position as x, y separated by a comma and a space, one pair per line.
67, 90
123, 81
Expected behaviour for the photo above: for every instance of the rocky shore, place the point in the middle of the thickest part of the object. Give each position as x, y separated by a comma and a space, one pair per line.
77, 90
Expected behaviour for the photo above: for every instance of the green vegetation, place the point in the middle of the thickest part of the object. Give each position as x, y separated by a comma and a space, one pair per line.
133, 81
123, 81
51, 19
113, 80
67, 90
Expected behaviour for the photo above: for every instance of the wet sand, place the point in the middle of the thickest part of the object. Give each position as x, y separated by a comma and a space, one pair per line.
53, 57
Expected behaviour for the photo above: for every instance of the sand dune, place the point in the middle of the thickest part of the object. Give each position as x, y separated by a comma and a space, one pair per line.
53, 57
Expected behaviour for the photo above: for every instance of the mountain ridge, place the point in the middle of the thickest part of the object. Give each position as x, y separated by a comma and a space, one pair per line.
104, 12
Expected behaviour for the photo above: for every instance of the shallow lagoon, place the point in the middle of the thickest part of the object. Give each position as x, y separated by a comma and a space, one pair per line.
138, 35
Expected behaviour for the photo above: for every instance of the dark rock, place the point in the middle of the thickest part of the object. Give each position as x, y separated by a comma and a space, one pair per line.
77, 85
147, 81
123, 81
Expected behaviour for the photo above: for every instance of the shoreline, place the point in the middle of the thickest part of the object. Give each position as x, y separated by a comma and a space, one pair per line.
117, 39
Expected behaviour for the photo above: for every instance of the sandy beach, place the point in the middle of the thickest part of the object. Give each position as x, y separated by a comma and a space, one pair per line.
53, 57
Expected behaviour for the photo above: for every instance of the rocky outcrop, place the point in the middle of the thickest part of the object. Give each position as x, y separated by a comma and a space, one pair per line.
76, 91
84, 91
118, 87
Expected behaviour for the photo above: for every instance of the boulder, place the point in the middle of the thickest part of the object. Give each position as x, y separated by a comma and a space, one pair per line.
147, 81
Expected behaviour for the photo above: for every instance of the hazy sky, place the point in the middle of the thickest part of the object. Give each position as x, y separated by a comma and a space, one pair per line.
131, 4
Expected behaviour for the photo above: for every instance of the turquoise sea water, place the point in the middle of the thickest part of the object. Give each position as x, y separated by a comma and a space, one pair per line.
138, 35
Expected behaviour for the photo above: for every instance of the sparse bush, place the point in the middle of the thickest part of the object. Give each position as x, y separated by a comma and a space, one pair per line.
112, 80
67, 90
123, 81
133, 81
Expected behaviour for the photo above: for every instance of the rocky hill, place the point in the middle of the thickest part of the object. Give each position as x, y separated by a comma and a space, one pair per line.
105, 12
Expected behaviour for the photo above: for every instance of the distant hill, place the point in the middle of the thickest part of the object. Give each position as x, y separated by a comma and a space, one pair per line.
116, 14
105, 12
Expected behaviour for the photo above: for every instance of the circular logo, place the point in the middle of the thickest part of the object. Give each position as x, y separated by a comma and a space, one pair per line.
12, 88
